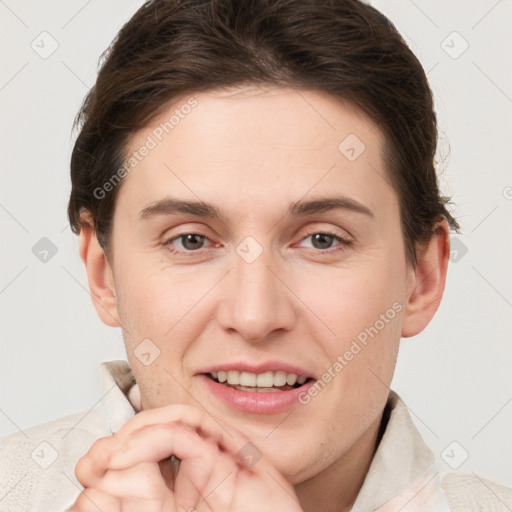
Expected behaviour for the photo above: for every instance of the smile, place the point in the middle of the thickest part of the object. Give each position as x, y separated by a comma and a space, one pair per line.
265, 390
258, 382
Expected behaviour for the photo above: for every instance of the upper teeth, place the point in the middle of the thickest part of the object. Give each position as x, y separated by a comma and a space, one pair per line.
260, 380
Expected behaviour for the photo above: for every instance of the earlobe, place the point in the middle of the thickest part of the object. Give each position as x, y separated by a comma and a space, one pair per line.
428, 282
100, 277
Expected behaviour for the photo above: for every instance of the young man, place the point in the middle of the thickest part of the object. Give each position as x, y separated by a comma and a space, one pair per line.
258, 210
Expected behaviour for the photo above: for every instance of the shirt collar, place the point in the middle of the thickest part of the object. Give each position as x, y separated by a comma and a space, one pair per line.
402, 475
116, 379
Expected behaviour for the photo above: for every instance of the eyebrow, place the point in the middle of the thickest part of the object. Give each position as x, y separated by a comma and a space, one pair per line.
173, 206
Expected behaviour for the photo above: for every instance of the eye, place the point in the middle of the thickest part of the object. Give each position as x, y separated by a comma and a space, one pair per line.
324, 240
191, 242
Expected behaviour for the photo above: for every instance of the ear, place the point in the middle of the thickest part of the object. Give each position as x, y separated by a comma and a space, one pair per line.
100, 277
427, 281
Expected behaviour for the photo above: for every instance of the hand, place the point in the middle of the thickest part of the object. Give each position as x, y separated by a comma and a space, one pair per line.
131, 471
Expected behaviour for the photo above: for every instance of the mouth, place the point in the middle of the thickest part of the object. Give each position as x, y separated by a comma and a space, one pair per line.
270, 387
266, 382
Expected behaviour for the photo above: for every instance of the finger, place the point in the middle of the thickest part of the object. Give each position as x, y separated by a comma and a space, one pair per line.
142, 482
156, 442
205, 424
198, 477
94, 500
202, 466
199, 457
93, 465
151, 444
97, 460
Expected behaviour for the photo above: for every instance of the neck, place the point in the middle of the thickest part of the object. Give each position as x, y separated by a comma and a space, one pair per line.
336, 487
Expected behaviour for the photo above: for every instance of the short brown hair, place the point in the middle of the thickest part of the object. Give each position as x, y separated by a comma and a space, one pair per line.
345, 48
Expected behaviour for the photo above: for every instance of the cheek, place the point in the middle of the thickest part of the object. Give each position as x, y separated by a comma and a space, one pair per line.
363, 307
350, 299
163, 303
148, 299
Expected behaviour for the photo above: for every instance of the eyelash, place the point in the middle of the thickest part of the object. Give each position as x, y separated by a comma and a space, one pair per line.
344, 243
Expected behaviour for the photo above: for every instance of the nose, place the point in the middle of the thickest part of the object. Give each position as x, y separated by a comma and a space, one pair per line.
257, 299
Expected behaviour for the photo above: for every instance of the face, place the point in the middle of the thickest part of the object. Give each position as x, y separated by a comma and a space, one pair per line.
301, 271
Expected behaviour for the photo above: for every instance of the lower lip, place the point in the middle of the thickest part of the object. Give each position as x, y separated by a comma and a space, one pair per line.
272, 402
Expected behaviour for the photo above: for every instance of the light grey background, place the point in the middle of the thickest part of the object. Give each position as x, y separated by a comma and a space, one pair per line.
455, 377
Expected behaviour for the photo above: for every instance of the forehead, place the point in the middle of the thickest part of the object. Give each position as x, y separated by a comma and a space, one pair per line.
251, 144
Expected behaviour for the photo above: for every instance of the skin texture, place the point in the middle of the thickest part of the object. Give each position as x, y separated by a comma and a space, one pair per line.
252, 152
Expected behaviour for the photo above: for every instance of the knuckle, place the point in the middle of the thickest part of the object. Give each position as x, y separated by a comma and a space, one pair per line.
81, 469
100, 451
192, 415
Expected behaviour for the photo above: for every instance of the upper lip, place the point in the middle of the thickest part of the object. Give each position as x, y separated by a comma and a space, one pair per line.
268, 366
